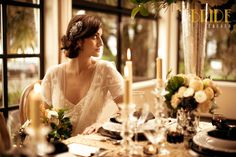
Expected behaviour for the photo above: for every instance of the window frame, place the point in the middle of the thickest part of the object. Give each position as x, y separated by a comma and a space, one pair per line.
5, 56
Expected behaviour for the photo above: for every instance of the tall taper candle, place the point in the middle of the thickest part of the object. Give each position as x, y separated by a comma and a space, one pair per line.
127, 89
35, 102
159, 72
129, 65
158, 68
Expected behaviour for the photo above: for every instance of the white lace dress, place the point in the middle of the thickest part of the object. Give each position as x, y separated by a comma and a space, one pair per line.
96, 106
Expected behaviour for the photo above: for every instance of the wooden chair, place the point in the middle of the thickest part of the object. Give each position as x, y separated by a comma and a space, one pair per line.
5, 141
24, 102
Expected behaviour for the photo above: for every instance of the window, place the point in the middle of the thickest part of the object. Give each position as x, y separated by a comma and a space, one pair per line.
121, 33
21, 49
220, 48
220, 53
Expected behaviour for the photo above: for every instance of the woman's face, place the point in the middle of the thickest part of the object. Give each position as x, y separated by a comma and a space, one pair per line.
93, 46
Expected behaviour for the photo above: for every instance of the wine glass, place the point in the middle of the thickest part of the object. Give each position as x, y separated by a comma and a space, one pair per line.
156, 132
141, 111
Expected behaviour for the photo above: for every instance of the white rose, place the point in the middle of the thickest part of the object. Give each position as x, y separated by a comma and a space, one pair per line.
175, 101
208, 83
188, 92
181, 91
196, 84
200, 96
209, 92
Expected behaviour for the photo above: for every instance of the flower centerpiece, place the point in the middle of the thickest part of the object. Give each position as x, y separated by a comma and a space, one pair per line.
187, 95
190, 92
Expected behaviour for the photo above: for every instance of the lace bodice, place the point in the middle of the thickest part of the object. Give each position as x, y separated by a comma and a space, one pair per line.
106, 85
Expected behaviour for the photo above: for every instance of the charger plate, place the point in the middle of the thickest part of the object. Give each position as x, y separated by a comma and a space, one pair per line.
113, 130
212, 144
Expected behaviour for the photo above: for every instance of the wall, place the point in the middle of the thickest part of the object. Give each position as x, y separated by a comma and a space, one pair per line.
226, 101
57, 14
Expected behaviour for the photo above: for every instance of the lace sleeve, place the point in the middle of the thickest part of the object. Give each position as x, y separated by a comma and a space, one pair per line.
46, 87
114, 81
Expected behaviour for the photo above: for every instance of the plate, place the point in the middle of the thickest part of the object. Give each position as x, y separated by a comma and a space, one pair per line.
113, 130
203, 140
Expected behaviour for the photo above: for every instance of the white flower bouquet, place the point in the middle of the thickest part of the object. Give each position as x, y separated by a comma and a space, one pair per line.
190, 92
59, 124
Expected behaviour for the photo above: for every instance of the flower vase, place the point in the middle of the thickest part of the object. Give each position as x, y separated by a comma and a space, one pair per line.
187, 122
194, 27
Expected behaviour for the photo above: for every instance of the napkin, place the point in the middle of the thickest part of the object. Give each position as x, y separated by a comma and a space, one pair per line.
82, 150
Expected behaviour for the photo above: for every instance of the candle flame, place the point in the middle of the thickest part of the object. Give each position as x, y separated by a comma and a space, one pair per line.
126, 71
37, 88
128, 54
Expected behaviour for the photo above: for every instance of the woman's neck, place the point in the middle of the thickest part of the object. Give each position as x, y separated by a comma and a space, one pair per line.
78, 65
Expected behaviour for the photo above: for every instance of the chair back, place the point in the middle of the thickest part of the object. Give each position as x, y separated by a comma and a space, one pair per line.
24, 102
5, 141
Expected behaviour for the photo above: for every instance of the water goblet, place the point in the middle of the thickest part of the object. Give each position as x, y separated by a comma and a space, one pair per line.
157, 136
139, 117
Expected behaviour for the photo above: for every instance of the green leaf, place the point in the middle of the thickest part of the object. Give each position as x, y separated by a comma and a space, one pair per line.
174, 83
135, 11
170, 1
143, 10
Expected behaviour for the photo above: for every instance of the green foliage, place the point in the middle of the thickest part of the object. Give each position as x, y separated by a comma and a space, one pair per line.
135, 11
61, 129
174, 83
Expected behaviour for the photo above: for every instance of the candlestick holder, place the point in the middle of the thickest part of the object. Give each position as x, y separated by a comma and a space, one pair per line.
38, 145
127, 129
158, 135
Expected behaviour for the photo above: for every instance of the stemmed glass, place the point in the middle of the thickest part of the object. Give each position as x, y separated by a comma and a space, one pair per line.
139, 117
157, 134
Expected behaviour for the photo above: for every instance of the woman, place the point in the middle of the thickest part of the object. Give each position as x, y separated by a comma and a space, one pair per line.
84, 85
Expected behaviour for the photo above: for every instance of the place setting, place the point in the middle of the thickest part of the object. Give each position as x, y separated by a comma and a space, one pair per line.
217, 141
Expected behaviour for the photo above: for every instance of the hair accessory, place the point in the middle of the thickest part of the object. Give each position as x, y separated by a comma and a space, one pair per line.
76, 29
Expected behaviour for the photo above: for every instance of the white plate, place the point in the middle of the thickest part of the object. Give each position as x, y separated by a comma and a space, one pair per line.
202, 139
116, 127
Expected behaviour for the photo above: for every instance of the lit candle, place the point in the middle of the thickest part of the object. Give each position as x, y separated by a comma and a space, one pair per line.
127, 85
159, 68
35, 102
129, 65
159, 72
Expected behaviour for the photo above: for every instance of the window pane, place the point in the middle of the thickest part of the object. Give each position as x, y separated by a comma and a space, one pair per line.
21, 72
1, 85
141, 37
1, 48
23, 30
220, 54
28, 1
107, 2
109, 34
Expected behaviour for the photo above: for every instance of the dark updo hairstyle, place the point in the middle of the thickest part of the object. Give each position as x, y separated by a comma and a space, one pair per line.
79, 28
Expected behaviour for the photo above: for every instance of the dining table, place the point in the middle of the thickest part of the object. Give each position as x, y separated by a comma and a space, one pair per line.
99, 145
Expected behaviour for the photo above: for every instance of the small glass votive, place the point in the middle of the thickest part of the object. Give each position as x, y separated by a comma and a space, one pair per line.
175, 137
